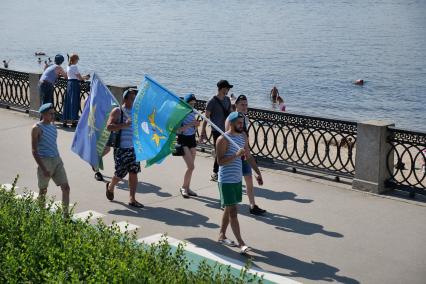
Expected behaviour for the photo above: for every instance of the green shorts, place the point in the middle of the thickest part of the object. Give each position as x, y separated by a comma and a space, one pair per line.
57, 172
230, 193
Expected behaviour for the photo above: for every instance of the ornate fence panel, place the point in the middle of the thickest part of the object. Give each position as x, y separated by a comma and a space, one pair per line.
14, 89
319, 144
60, 91
407, 169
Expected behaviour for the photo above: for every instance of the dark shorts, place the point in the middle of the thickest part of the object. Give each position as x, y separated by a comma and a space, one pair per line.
246, 169
125, 162
187, 141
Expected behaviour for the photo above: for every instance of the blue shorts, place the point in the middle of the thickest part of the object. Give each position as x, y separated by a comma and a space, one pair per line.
246, 168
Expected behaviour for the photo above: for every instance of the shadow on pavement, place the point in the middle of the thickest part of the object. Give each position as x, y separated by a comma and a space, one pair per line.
316, 271
278, 195
284, 223
143, 187
293, 225
178, 217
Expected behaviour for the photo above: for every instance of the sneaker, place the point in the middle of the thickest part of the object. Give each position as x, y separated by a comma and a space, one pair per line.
214, 177
99, 176
184, 192
256, 210
191, 193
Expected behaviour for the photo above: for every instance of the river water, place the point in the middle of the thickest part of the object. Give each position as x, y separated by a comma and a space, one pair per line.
310, 49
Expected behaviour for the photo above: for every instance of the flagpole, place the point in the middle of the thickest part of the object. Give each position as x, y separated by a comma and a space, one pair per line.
216, 128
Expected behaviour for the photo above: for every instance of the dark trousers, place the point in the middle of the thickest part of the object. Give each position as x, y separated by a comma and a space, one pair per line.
46, 92
216, 165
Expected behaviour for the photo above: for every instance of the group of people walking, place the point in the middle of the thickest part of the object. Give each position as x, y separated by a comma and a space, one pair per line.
231, 163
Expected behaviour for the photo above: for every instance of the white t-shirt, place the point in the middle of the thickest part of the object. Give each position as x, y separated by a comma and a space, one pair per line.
72, 72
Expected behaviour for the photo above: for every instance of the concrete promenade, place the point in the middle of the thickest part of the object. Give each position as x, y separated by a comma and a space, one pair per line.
315, 231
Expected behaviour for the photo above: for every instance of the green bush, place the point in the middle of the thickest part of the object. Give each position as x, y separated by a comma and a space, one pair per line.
37, 245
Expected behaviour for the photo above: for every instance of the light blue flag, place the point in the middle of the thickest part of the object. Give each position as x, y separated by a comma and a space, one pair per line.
156, 115
91, 134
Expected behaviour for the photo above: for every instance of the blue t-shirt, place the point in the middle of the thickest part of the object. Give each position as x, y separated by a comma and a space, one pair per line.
189, 119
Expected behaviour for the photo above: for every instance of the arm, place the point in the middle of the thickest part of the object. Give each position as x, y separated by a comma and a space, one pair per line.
113, 123
252, 163
35, 137
221, 147
203, 126
61, 72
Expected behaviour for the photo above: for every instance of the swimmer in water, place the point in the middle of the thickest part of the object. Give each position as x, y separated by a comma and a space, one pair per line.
359, 82
281, 105
274, 94
6, 63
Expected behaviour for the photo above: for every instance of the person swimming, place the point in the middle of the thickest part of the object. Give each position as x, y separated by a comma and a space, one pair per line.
274, 94
6, 63
359, 82
281, 104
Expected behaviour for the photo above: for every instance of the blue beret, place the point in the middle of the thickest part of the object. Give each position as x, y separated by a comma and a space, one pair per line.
234, 115
45, 107
189, 97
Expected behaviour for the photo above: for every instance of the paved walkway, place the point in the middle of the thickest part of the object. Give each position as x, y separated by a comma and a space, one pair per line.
316, 231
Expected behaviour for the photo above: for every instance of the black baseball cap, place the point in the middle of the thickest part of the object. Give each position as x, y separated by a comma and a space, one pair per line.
241, 98
224, 84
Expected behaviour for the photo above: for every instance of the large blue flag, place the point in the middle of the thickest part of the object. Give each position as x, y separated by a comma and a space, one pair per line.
91, 134
156, 115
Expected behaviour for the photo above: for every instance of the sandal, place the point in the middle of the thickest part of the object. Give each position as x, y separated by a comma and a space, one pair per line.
245, 249
184, 192
109, 194
136, 204
227, 242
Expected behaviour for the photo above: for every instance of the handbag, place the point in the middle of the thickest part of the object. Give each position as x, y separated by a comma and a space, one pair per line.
115, 136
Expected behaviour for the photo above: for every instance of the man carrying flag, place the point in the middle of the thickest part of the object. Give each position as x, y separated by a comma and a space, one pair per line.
124, 153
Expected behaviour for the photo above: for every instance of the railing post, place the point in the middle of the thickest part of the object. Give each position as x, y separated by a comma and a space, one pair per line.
372, 156
34, 95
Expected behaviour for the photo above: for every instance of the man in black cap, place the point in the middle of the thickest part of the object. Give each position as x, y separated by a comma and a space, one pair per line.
217, 110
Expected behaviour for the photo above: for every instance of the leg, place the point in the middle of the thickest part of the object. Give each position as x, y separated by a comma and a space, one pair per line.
235, 225
249, 187
115, 179
65, 198
215, 165
188, 157
42, 196
225, 223
133, 183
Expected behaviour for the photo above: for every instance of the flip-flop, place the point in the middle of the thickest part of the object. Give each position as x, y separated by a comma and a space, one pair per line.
136, 204
227, 242
109, 194
245, 249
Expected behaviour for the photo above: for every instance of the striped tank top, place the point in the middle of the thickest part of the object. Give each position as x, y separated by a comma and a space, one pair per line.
187, 120
47, 147
126, 133
232, 172
49, 74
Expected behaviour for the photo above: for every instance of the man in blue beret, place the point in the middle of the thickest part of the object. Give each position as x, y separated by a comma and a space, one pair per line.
229, 157
46, 154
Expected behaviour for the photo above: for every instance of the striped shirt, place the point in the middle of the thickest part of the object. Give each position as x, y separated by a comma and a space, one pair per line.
187, 120
47, 147
232, 172
126, 133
